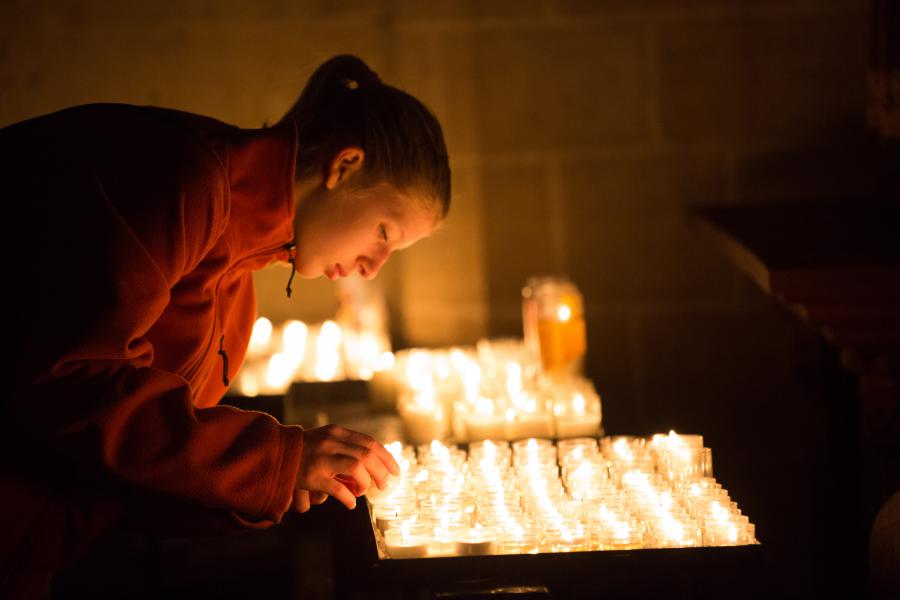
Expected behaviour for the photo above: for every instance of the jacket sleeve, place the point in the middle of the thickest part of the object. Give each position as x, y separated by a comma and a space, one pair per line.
101, 240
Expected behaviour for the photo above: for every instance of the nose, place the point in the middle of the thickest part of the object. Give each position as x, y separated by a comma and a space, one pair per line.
371, 265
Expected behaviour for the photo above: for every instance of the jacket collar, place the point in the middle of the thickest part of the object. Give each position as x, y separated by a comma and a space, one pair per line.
260, 164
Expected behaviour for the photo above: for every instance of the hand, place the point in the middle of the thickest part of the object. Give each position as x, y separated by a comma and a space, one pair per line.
304, 500
342, 463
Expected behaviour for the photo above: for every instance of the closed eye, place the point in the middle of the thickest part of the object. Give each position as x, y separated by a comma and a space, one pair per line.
382, 233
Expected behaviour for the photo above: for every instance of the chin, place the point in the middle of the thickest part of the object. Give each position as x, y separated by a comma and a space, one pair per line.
306, 272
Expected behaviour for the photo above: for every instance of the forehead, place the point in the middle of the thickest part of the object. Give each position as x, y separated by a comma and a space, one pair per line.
416, 216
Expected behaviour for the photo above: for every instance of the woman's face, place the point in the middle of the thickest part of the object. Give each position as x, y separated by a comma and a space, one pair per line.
343, 231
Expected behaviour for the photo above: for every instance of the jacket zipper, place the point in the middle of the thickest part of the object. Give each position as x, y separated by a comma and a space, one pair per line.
217, 328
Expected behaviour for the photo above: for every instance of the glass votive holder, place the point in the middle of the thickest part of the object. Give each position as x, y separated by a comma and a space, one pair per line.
623, 447
475, 541
584, 474
527, 541
570, 535
531, 445
663, 442
388, 515
492, 450
673, 531
733, 532
639, 464
695, 504
706, 509
699, 486
685, 463
407, 540
620, 533
579, 447
440, 533
437, 508
637, 481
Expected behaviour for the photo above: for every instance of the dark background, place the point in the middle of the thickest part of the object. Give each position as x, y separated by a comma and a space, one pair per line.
579, 134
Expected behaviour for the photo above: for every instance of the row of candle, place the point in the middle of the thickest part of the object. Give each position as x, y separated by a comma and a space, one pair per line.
533, 496
296, 351
489, 392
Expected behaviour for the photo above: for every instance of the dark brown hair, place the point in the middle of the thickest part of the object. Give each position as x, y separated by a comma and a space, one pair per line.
345, 103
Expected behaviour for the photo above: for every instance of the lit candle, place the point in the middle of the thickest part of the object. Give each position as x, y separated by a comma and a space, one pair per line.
575, 420
260, 338
405, 542
328, 357
483, 423
423, 418
526, 418
476, 541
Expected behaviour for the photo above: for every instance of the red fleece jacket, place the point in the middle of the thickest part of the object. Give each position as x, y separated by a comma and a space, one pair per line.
129, 253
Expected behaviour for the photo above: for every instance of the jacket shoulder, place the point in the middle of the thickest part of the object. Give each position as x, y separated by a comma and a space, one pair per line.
158, 169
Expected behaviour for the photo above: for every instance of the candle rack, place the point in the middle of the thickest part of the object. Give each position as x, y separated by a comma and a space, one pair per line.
672, 573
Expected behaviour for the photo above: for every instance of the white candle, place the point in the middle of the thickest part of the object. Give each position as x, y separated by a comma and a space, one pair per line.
423, 419
410, 548
567, 427
476, 541
403, 542
484, 423
576, 418
521, 425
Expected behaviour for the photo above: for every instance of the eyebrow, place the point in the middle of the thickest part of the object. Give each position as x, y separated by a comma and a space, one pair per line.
402, 237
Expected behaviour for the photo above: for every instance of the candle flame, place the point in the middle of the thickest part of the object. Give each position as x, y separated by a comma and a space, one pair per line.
261, 335
578, 404
513, 379
279, 371
293, 338
385, 361
484, 406
564, 313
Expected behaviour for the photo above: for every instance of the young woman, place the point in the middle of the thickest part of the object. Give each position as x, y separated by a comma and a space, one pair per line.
131, 236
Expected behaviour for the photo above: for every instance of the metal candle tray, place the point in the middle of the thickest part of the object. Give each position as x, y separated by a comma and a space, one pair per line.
361, 567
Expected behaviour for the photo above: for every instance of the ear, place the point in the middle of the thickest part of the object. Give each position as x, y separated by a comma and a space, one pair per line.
344, 165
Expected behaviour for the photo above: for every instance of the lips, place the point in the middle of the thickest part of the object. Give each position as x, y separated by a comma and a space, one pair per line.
335, 271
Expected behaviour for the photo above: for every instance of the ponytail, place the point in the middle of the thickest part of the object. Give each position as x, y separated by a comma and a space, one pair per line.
345, 103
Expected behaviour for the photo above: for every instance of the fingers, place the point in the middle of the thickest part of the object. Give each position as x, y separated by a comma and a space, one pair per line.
353, 474
333, 450
303, 500
370, 461
367, 442
372, 446
340, 492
